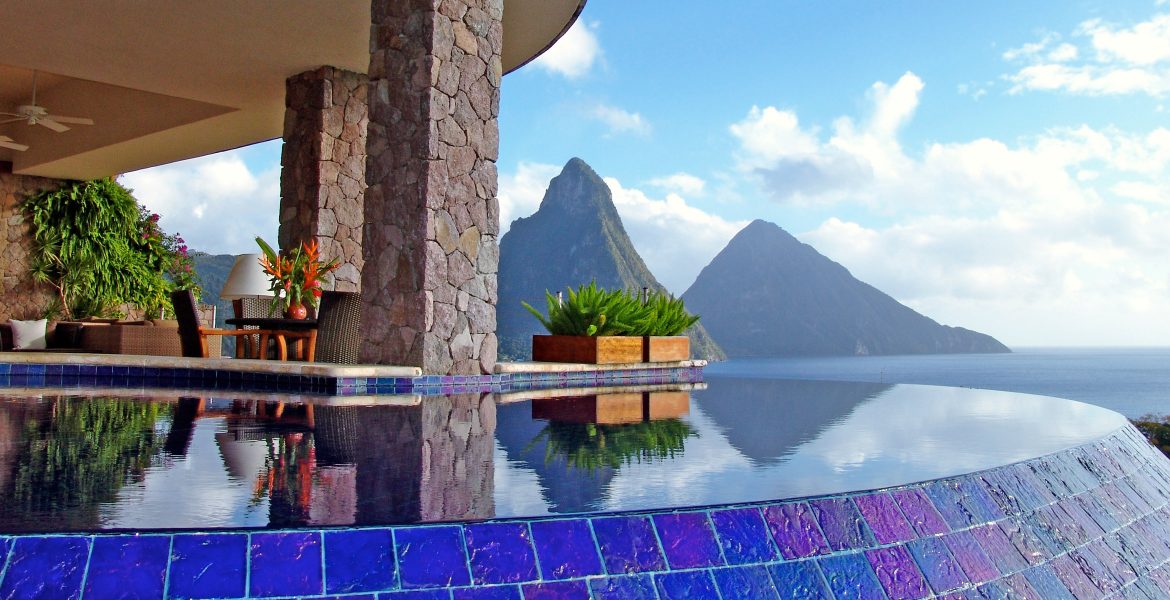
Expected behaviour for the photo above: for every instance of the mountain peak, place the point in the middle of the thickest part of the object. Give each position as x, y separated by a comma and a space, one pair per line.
576, 236
769, 294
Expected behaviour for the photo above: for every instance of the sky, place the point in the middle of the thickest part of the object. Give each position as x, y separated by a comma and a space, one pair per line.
1003, 167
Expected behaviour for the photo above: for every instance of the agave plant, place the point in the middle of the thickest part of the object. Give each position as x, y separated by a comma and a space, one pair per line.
593, 311
663, 314
590, 310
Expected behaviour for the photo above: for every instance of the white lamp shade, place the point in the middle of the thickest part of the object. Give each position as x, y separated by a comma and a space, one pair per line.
246, 280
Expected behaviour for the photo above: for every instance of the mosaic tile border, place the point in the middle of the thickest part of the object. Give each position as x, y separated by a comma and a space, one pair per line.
1089, 522
88, 375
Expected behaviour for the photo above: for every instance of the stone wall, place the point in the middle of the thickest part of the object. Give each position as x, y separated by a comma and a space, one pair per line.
432, 216
20, 297
323, 164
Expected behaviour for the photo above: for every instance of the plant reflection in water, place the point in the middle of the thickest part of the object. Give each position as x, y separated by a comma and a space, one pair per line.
611, 430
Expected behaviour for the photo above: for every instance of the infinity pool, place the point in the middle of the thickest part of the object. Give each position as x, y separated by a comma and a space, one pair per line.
108, 462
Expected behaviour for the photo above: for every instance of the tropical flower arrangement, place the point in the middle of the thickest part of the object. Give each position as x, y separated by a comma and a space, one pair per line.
296, 276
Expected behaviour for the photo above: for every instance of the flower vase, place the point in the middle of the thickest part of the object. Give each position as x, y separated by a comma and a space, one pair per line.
297, 311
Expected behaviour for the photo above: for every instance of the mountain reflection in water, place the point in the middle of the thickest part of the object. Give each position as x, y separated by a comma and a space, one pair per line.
89, 462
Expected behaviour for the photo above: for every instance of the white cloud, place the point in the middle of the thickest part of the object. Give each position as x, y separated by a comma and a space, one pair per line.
574, 54
655, 224
682, 183
217, 202
521, 192
1056, 238
1111, 60
619, 121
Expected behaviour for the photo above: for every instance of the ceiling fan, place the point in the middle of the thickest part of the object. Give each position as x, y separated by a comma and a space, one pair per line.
7, 142
33, 114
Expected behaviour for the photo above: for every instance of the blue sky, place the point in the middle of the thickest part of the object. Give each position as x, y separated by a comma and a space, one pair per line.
1003, 168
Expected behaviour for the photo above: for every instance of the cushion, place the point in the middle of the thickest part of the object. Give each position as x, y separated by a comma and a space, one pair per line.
29, 335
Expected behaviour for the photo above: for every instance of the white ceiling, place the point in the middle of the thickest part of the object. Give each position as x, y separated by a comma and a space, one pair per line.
165, 81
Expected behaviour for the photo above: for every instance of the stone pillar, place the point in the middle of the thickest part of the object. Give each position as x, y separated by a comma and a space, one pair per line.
20, 296
323, 167
432, 216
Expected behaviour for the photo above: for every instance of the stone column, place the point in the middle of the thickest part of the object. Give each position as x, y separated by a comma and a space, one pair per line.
20, 296
323, 167
432, 216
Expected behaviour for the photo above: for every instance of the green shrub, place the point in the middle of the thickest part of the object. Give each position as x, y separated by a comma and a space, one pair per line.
98, 248
593, 311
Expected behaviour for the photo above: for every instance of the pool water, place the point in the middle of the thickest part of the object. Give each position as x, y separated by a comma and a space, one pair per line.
93, 462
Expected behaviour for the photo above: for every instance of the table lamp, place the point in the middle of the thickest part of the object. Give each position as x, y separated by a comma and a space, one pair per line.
247, 279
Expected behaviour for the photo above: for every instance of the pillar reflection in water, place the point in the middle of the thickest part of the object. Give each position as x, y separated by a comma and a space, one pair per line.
429, 461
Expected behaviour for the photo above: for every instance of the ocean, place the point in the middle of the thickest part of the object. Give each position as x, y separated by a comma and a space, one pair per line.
1132, 381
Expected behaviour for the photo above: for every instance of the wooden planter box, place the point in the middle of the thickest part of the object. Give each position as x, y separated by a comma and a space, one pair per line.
599, 350
613, 409
666, 348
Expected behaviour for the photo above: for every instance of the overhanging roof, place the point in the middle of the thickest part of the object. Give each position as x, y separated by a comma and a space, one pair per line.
166, 81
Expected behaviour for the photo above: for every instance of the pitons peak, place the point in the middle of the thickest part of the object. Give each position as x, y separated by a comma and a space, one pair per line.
768, 294
575, 237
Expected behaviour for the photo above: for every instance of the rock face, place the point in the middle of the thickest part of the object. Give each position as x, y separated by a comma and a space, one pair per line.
575, 237
767, 294
23, 297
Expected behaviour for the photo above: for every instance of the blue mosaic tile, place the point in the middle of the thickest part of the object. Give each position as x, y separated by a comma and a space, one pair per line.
745, 582
743, 536
128, 567
934, 559
950, 502
359, 560
896, 571
626, 587
1024, 541
417, 595
1073, 578
565, 548
999, 548
849, 576
431, 557
1114, 565
971, 558
841, 523
686, 585
500, 553
208, 566
794, 530
628, 544
45, 567
1047, 584
687, 540
799, 581
1012, 587
556, 590
884, 518
920, 512
1097, 572
286, 564
493, 592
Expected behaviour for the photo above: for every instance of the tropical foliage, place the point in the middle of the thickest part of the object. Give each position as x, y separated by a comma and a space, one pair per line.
593, 311
295, 276
98, 248
74, 454
590, 446
1157, 431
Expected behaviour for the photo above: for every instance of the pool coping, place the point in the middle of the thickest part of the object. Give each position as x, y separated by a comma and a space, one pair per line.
52, 369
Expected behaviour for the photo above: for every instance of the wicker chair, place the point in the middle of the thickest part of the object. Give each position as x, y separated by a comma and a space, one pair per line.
193, 336
338, 321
